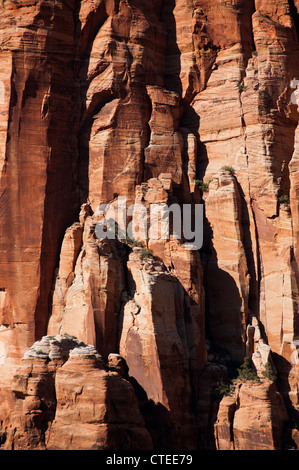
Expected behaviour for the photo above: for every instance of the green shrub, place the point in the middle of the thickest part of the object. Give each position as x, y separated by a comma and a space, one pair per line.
246, 372
202, 186
268, 373
284, 199
224, 389
101, 363
229, 169
146, 253
241, 87
128, 241
137, 243
66, 335
133, 243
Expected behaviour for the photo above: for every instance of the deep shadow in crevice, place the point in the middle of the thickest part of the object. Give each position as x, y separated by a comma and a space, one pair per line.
254, 284
84, 39
284, 368
191, 120
224, 319
168, 431
295, 16
172, 80
61, 204
156, 417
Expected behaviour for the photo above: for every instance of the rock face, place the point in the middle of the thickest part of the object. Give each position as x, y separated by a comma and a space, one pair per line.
167, 103
253, 415
253, 419
155, 340
66, 399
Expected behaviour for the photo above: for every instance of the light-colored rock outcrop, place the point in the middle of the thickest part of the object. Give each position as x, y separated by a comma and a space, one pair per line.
67, 399
88, 288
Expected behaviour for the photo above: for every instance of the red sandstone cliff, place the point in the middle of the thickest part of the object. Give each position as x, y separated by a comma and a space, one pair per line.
161, 102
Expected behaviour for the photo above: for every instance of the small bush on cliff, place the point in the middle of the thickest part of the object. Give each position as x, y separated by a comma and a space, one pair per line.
133, 243
241, 87
268, 373
137, 243
145, 254
202, 186
229, 169
224, 389
102, 363
246, 372
284, 199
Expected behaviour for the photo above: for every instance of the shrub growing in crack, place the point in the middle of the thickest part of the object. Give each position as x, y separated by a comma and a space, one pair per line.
284, 199
146, 253
228, 169
247, 373
241, 87
202, 186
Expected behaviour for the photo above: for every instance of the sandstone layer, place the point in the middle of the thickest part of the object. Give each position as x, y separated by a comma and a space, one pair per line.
67, 399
